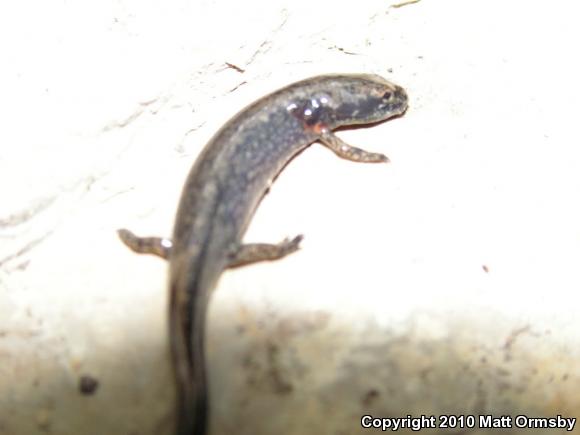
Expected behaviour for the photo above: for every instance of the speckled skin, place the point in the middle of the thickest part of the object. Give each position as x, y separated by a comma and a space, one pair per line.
222, 191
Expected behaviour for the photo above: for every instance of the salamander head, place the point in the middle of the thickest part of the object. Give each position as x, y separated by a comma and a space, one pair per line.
337, 100
367, 99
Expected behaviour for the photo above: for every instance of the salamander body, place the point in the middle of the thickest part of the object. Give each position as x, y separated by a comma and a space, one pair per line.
222, 191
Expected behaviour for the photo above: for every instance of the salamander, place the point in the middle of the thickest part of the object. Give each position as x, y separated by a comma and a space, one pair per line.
225, 185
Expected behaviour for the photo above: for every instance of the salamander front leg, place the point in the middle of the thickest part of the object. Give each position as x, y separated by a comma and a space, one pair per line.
254, 252
146, 245
346, 151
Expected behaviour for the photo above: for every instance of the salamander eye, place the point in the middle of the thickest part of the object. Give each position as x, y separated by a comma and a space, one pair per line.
387, 95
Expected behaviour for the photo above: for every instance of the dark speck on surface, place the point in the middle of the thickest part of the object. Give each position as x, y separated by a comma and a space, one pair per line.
88, 385
370, 396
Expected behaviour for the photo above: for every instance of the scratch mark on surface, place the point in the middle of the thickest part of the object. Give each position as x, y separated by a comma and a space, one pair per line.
235, 67
26, 248
404, 3
260, 50
342, 50
179, 147
237, 86
132, 117
28, 213
511, 339
265, 46
114, 195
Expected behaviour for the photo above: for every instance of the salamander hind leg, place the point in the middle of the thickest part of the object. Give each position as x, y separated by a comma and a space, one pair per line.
346, 151
146, 245
254, 252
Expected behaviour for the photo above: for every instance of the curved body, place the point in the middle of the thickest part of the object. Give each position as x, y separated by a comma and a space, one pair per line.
222, 191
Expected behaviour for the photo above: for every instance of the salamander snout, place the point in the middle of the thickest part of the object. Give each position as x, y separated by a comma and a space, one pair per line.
395, 99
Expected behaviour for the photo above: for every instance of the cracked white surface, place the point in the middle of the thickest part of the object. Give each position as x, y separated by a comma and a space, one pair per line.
446, 282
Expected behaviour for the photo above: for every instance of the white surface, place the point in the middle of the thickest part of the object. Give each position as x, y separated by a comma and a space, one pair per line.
387, 309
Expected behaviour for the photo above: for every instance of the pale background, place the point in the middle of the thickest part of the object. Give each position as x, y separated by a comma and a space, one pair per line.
445, 282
